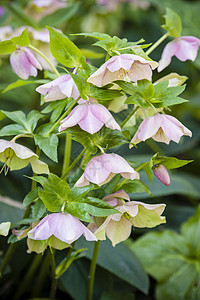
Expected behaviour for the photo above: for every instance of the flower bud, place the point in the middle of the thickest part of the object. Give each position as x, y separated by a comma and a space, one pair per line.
162, 174
24, 63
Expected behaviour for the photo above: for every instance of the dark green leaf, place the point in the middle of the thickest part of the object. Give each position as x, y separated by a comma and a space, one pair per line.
170, 162
32, 119
17, 116
103, 94
135, 186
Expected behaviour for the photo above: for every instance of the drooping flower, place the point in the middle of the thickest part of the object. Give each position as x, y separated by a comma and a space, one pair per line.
162, 174
118, 227
61, 225
24, 63
60, 88
90, 116
4, 228
162, 128
174, 79
39, 246
184, 48
129, 67
16, 156
103, 168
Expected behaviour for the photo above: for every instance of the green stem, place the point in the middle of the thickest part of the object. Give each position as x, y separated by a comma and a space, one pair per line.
25, 282
30, 135
62, 117
36, 291
7, 257
64, 267
73, 164
129, 116
67, 154
154, 46
92, 270
120, 184
44, 56
54, 279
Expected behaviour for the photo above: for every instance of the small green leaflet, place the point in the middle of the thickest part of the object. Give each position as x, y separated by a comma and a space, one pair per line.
172, 23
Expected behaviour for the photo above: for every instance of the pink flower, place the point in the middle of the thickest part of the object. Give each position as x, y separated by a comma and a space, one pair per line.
162, 174
59, 88
61, 225
90, 116
24, 63
101, 169
184, 48
118, 227
123, 67
162, 128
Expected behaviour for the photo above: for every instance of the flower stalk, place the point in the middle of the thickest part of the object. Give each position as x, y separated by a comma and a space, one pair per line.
156, 44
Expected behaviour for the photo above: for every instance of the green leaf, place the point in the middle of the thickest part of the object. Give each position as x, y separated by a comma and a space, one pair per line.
32, 196
20, 83
7, 47
135, 186
55, 192
60, 15
38, 210
23, 39
78, 192
146, 88
172, 23
48, 145
108, 138
103, 94
170, 162
63, 49
17, 116
120, 261
180, 253
82, 208
56, 107
12, 129
32, 119
82, 85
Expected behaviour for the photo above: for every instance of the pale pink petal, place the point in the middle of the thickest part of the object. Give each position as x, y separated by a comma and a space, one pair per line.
90, 123
97, 77
95, 171
188, 48
119, 61
149, 127
119, 194
170, 50
103, 115
54, 93
42, 231
88, 234
31, 58
131, 176
116, 164
44, 88
20, 64
76, 115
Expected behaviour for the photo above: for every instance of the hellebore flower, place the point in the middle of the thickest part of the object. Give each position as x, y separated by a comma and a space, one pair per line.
16, 156
123, 67
60, 88
162, 174
61, 225
24, 63
117, 227
162, 128
184, 48
101, 169
90, 116
4, 228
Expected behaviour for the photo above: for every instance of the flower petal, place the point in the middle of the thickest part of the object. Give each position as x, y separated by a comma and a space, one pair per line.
76, 115
170, 50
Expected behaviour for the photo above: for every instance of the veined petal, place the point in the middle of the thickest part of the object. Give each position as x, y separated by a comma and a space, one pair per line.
115, 163
90, 123
188, 48
140, 71
102, 114
170, 50
149, 127
76, 115
95, 171
82, 181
